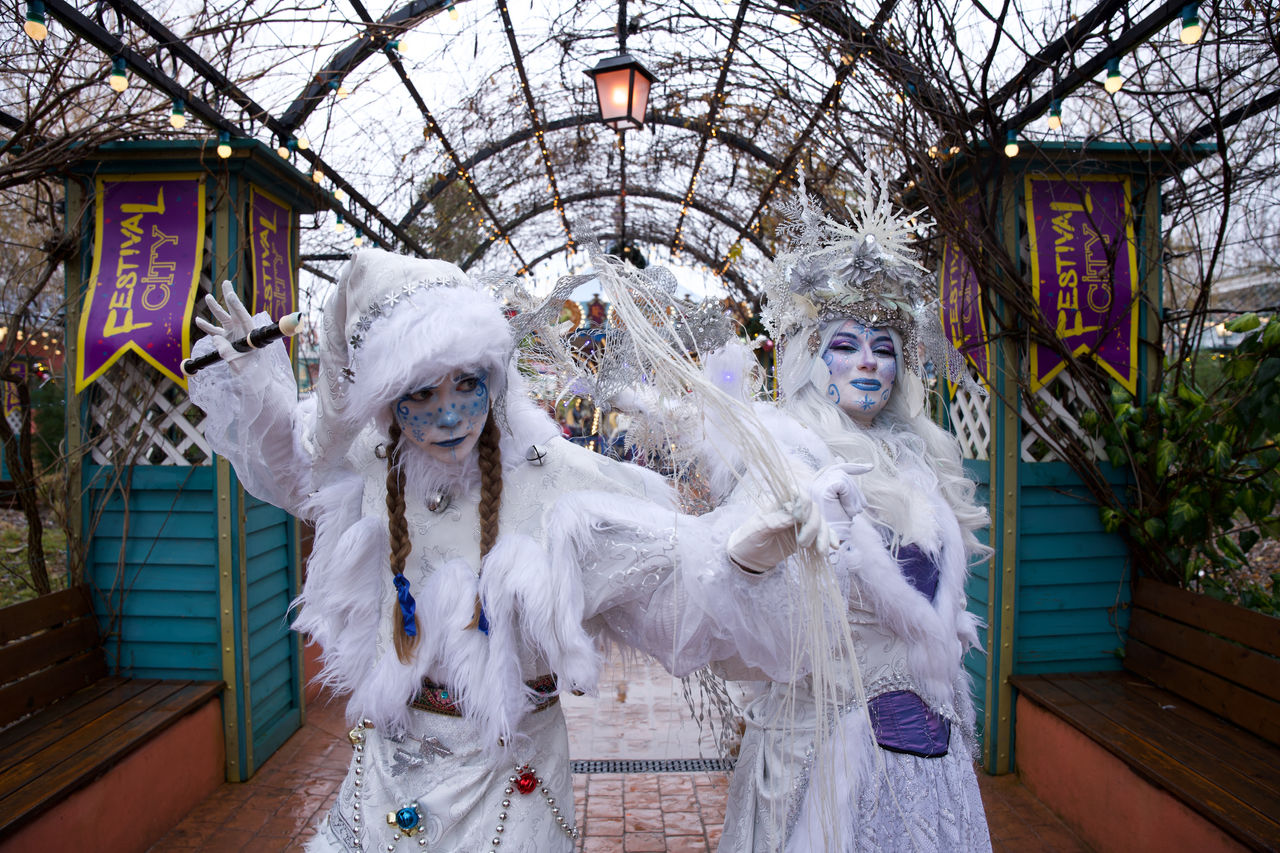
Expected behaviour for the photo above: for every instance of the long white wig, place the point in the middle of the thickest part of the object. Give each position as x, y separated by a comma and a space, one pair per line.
902, 430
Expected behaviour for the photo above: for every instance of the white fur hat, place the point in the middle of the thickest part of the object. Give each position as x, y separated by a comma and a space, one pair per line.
395, 324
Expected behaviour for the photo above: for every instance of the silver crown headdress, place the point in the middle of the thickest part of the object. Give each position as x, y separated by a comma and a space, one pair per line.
866, 270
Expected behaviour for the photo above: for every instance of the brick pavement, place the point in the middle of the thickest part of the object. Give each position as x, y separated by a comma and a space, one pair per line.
640, 715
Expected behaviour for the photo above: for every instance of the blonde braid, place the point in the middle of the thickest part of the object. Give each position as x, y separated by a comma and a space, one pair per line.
398, 528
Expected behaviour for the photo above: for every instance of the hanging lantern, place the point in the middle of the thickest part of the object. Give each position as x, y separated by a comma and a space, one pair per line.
622, 91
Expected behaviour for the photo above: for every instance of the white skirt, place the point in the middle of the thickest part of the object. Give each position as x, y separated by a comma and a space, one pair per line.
455, 789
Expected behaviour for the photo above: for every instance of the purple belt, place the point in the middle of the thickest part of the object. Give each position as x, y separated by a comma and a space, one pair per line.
902, 722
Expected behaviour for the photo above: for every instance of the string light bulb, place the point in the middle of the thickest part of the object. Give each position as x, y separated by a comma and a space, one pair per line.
1011, 143
303, 142
453, 12
35, 25
340, 194
178, 116
1191, 29
341, 224
1114, 81
359, 238
224, 144
119, 79
343, 91
1055, 114
283, 150
317, 176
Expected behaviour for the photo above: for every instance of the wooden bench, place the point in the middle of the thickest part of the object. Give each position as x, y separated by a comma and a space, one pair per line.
67, 726
1196, 716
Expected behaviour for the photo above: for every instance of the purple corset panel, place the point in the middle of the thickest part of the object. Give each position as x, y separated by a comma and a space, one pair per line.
919, 570
902, 722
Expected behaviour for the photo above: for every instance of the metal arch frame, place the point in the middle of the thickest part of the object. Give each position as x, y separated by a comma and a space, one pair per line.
734, 140
832, 18
592, 195
849, 33
414, 12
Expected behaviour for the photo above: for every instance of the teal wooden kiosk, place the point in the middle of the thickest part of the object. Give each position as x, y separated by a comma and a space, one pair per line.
1055, 594
191, 576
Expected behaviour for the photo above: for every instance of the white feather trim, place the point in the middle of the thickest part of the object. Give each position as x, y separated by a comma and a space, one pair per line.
935, 634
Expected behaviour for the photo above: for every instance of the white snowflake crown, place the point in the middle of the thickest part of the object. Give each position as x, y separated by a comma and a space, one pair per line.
866, 270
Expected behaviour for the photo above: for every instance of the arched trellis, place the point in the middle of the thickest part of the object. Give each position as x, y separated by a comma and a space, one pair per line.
592, 195
851, 36
851, 39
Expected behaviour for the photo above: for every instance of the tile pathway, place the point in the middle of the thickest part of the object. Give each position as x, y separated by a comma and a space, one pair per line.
640, 714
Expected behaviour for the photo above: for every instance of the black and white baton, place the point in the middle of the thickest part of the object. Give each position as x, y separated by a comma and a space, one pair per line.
257, 339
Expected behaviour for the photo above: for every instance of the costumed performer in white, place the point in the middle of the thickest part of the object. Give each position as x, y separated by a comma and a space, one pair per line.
447, 585
852, 312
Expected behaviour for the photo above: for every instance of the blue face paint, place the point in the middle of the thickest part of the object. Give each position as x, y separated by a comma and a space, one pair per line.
446, 419
861, 360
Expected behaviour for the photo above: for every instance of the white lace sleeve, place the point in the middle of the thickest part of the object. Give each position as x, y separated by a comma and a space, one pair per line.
252, 417
661, 582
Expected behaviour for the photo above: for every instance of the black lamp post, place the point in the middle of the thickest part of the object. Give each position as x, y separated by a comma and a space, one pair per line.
622, 90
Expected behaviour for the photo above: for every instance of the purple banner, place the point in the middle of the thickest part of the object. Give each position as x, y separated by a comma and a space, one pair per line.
962, 315
270, 239
1084, 271
148, 250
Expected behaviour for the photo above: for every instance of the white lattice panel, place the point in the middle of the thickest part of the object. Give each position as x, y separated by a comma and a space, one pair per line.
1061, 400
971, 420
139, 417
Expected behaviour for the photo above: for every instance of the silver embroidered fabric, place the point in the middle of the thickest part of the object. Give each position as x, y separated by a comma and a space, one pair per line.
922, 805
459, 794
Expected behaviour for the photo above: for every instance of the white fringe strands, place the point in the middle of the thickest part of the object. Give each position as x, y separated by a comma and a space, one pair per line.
655, 334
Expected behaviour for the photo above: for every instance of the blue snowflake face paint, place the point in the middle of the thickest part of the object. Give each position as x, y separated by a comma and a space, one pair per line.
863, 370
446, 419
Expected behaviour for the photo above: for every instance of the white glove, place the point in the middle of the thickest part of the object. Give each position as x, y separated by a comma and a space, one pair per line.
765, 540
838, 497
235, 322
